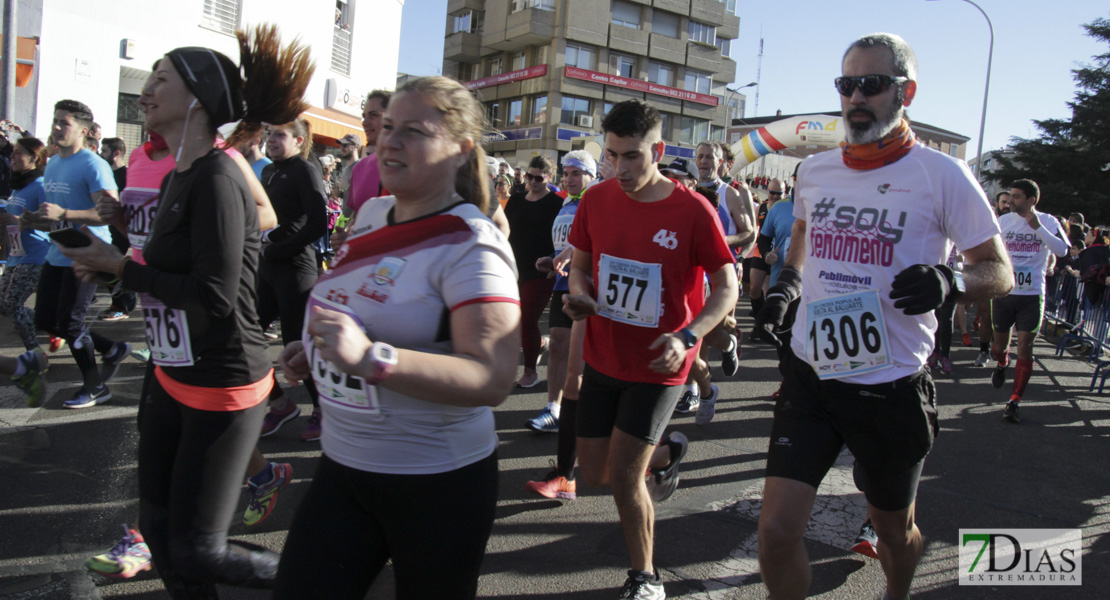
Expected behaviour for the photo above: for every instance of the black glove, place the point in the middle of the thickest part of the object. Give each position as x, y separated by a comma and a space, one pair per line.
920, 289
768, 321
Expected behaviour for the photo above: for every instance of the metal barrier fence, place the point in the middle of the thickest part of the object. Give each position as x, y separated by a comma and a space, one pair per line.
1085, 313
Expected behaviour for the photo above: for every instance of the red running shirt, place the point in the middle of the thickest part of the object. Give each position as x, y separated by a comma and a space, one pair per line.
649, 261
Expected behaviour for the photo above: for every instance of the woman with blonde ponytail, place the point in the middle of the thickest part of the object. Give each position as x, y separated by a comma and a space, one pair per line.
204, 407
408, 363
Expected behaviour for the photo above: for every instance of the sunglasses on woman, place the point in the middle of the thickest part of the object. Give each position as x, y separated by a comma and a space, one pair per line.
531, 177
869, 85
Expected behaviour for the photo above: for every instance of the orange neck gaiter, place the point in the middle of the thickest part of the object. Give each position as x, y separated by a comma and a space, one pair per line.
888, 150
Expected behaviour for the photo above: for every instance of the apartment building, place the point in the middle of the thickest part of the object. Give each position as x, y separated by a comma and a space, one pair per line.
102, 52
548, 71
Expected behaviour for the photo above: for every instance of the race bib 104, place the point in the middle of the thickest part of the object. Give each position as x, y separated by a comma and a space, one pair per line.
846, 335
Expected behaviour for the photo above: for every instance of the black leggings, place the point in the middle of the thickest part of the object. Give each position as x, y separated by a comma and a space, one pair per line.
283, 290
942, 341
61, 302
191, 465
350, 522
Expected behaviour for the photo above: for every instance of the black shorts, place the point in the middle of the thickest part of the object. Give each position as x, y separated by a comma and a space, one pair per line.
1023, 313
555, 315
888, 427
757, 263
642, 410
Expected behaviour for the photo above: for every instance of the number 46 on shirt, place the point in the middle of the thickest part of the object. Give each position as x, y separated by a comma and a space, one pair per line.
666, 239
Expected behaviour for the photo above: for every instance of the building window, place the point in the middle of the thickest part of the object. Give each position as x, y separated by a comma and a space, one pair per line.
470, 21
667, 122
725, 46
730, 7
699, 82
626, 14
702, 33
608, 106
581, 57
952, 149
519, 61
574, 108
622, 65
516, 110
692, 131
519, 5
664, 23
221, 16
493, 112
341, 38
539, 109
468, 71
130, 122
495, 66
661, 74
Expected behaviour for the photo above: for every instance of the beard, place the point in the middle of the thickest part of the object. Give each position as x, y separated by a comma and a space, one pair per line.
866, 132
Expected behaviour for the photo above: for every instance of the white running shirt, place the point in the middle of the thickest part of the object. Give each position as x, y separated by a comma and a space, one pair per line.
863, 228
1029, 250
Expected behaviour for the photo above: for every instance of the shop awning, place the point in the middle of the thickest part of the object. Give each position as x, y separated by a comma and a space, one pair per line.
329, 125
25, 59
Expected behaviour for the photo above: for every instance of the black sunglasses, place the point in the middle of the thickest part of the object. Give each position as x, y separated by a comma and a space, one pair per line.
531, 177
770, 193
868, 84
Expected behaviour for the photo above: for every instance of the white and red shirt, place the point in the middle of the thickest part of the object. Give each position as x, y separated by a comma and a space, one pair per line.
1029, 250
863, 228
400, 282
649, 262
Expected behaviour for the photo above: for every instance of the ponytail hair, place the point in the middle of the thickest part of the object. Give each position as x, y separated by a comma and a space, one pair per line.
464, 120
274, 81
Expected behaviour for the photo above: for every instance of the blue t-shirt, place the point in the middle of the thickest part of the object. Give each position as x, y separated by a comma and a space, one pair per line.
70, 183
33, 243
258, 165
560, 229
777, 226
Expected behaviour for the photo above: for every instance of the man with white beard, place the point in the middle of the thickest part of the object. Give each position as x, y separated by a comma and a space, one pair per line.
874, 224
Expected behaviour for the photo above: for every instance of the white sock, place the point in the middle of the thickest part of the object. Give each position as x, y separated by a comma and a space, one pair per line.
692, 388
731, 343
554, 408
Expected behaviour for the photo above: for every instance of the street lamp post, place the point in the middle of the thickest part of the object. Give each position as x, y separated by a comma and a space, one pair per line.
737, 91
986, 90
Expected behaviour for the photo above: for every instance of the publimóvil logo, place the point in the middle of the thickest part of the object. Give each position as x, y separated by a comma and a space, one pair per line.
1021, 557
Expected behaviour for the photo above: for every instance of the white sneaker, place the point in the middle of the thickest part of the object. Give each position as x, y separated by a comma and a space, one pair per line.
638, 588
708, 407
984, 358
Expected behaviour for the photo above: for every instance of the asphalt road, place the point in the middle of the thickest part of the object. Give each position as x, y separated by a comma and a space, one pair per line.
69, 482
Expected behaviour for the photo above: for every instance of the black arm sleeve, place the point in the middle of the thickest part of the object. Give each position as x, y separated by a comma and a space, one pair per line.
314, 202
217, 238
763, 242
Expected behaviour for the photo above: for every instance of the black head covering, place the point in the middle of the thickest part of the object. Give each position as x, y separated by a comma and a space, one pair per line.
213, 79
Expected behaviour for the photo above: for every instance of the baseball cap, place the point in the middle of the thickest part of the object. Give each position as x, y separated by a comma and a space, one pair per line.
350, 140
680, 166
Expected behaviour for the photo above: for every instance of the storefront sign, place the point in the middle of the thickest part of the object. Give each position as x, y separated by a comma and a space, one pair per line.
529, 73
640, 86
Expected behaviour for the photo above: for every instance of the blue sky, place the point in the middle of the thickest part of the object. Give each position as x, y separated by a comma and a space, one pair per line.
1036, 45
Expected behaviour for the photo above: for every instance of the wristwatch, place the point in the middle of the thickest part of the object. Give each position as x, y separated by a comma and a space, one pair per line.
688, 338
383, 358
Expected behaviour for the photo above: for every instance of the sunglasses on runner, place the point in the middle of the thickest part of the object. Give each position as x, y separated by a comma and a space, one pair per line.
869, 85
531, 177
770, 193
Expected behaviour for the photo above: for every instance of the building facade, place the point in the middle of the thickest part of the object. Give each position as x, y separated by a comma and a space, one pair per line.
102, 52
548, 71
